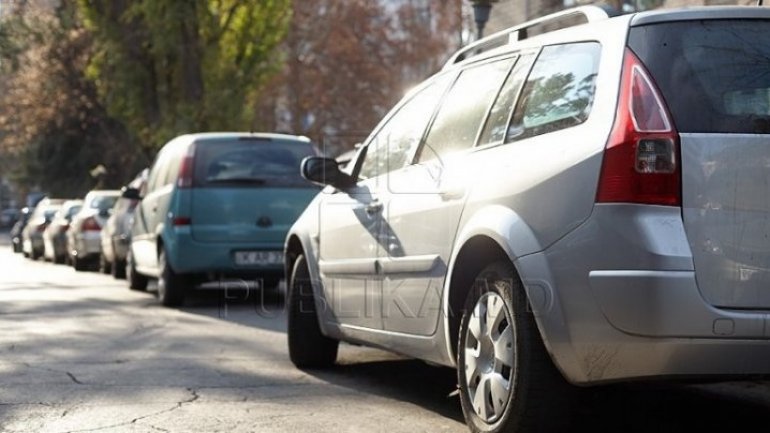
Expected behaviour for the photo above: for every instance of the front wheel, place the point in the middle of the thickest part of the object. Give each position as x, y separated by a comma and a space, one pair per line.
308, 347
508, 382
171, 286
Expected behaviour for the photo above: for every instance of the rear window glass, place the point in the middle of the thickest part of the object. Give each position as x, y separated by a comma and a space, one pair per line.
250, 163
714, 74
103, 202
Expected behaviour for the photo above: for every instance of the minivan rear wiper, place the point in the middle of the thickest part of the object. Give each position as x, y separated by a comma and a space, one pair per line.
254, 180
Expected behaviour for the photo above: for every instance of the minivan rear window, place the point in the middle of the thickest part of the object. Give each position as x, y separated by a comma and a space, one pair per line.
714, 74
237, 162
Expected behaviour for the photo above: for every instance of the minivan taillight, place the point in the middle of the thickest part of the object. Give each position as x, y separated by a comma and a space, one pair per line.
186, 169
641, 159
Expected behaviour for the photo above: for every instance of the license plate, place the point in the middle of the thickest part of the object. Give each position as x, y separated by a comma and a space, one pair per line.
256, 258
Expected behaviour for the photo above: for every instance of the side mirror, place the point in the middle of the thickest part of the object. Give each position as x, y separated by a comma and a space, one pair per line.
130, 193
325, 171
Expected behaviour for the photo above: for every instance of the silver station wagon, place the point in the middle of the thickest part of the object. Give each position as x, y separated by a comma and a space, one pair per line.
578, 200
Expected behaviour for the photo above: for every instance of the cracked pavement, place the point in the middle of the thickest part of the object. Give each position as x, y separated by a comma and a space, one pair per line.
79, 352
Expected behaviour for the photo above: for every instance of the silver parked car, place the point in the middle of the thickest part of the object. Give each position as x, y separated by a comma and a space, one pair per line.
116, 232
583, 206
32, 234
84, 240
55, 235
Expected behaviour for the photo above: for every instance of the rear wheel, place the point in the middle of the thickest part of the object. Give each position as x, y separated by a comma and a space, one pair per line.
171, 286
119, 269
508, 382
308, 347
136, 281
79, 264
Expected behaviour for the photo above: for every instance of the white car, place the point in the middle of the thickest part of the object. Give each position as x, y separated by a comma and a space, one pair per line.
84, 242
582, 206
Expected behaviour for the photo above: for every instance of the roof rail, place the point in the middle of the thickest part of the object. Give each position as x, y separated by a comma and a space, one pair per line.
591, 13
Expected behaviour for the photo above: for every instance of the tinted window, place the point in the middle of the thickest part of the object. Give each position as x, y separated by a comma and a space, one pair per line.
394, 144
559, 91
250, 162
464, 108
500, 115
714, 75
102, 202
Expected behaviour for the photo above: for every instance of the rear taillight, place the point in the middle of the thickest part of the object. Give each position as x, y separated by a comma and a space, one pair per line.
90, 225
641, 159
41, 227
185, 179
181, 221
63, 228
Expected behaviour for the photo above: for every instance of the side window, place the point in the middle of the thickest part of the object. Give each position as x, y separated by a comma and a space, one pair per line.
464, 108
500, 115
397, 140
559, 92
174, 164
159, 170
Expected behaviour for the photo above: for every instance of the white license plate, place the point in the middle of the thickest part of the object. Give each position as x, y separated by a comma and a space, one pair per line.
256, 258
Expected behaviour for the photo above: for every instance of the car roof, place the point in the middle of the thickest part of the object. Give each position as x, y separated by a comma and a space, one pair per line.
206, 136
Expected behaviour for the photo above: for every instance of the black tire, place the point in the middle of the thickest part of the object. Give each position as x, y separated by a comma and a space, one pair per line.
538, 398
308, 347
119, 269
58, 259
171, 286
35, 254
105, 267
79, 264
136, 281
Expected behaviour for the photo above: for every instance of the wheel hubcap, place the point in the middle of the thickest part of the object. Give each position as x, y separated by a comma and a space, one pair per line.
489, 357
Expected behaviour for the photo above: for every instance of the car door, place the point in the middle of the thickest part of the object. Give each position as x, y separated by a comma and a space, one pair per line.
426, 199
149, 215
351, 240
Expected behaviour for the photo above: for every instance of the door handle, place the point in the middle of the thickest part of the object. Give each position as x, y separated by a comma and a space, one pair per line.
374, 207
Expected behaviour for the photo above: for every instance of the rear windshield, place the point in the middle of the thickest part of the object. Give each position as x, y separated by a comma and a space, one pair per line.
103, 202
250, 163
714, 74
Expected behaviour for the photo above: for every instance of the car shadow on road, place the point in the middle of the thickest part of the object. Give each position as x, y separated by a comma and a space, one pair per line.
660, 408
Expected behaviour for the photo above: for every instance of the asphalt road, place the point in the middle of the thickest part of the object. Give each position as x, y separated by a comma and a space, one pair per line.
79, 352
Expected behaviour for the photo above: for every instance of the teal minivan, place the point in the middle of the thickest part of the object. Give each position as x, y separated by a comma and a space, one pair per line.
217, 206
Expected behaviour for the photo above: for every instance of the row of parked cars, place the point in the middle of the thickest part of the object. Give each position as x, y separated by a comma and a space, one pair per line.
575, 207
212, 207
87, 233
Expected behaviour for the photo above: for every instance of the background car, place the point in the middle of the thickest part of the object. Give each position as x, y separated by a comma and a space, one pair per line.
116, 233
18, 227
55, 235
32, 235
8, 217
217, 205
84, 242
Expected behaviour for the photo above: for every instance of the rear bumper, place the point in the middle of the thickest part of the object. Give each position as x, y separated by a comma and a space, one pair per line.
617, 299
187, 256
87, 244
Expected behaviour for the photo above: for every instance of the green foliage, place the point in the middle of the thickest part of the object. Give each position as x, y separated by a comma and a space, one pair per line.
166, 67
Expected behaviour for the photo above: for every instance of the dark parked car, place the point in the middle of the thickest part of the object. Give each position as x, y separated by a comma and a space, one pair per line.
18, 228
116, 233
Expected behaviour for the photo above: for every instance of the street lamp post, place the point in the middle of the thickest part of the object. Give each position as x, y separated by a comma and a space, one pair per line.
481, 11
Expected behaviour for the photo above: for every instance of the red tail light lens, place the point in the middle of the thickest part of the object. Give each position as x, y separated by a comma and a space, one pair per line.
63, 228
90, 225
641, 159
186, 169
181, 221
41, 227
